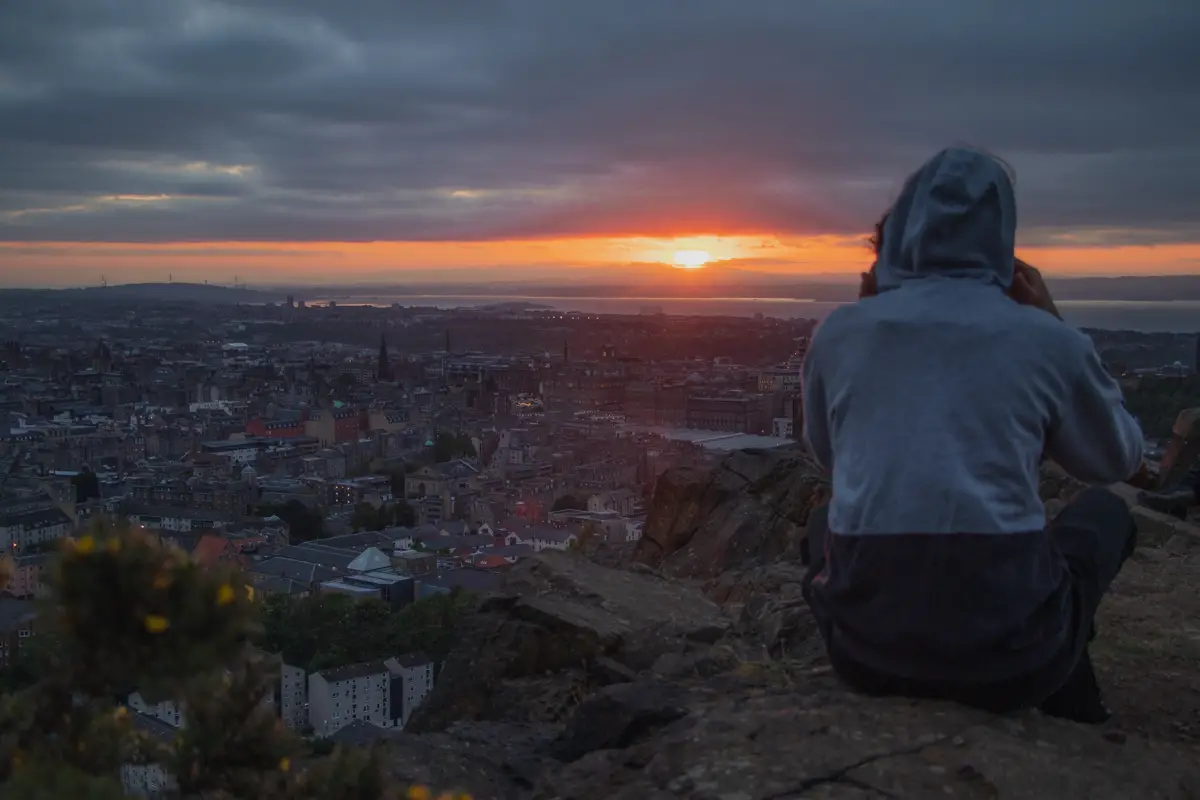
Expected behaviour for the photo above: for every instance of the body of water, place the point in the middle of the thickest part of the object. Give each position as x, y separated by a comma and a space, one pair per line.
1152, 317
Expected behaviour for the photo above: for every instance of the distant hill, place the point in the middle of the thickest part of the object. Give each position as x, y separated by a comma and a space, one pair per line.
178, 293
728, 282
1130, 288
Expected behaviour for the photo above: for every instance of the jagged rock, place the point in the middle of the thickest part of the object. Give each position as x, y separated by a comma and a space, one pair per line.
752, 508
821, 741
618, 716
766, 728
583, 682
770, 608
1179, 544
558, 616
1172, 503
1156, 528
490, 763
703, 663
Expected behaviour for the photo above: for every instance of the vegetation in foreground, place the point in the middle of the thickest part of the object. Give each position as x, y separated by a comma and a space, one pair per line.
127, 614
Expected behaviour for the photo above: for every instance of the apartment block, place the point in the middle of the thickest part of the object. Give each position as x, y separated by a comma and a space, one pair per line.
412, 682
293, 697
337, 697
382, 693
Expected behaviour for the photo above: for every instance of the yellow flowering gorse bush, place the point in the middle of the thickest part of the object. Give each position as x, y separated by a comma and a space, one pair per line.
128, 614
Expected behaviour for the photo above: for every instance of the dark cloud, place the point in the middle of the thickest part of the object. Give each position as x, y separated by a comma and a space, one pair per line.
138, 120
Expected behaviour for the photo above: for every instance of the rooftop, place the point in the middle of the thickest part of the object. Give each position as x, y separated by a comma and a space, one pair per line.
353, 671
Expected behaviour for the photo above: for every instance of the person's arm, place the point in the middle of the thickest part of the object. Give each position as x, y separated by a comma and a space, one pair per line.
1096, 441
816, 420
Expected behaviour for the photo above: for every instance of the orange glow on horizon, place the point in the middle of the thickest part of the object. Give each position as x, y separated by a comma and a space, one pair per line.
615, 259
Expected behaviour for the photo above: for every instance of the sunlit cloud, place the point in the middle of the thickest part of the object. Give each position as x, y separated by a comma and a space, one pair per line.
546, 138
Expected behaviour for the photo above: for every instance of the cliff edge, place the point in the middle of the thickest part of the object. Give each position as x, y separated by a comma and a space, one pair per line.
695, 671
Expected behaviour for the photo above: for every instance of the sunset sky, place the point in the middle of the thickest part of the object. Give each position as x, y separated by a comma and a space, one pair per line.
301, 141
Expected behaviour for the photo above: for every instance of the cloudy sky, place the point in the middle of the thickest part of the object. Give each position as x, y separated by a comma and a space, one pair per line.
275, 138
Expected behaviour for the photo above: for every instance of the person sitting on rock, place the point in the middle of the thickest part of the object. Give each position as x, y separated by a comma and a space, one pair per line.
932, 401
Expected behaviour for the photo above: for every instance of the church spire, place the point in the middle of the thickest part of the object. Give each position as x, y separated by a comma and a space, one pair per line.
384, 371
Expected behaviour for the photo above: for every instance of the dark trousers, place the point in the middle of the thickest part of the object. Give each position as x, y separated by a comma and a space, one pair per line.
1095, 534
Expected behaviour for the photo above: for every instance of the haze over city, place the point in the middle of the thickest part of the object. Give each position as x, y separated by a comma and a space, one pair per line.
312, 142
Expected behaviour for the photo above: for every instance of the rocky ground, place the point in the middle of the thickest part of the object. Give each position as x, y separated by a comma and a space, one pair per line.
693, 670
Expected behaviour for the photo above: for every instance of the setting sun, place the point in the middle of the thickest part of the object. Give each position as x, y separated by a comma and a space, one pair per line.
691, 259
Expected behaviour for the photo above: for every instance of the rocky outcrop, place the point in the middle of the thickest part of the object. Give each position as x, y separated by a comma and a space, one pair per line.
562, 627
697, 672
751, 509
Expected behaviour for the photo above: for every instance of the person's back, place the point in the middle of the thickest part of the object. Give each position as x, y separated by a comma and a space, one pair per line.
933, 402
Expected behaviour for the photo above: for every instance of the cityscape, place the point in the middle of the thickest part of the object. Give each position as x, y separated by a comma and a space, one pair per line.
546, 400
390, 454
382, 454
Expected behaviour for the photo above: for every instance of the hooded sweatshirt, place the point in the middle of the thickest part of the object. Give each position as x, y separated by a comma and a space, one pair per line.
933, 403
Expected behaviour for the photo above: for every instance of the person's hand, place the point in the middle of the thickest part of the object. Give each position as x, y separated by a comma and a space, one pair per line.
1029, 288
1143, 478
867, 286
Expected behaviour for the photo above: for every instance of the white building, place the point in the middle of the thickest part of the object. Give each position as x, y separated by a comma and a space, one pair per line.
382, 693
415, 673
541, 537
149, 780
293, 697
26, 528
167, 711
620, 501
778, 379
783, 427
337, 697
178, 520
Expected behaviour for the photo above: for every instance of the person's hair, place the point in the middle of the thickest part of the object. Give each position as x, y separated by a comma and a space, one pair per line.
875, 240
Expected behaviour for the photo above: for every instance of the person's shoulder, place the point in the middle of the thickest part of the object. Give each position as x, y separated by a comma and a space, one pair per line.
839, 320
829, 338
1050, 335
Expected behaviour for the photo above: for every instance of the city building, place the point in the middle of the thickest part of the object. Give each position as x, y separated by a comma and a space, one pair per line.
292, 701
412, 681
343, 695
150, 780
33, 527
17, 621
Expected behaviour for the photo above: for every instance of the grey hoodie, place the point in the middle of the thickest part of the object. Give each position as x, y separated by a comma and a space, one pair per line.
933, 404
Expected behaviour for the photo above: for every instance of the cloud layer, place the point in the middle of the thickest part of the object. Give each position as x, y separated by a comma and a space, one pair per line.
352, 120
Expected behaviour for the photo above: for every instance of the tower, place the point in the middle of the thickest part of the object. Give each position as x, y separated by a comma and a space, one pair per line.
566, 352
383, 371
447, 341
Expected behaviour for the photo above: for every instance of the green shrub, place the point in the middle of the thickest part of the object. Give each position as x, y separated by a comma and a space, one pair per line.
128, 614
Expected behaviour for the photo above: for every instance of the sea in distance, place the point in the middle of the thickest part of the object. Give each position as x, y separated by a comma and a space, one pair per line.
1181, 316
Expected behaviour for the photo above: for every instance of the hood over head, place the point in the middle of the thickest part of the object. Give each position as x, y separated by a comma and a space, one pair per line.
956, 217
